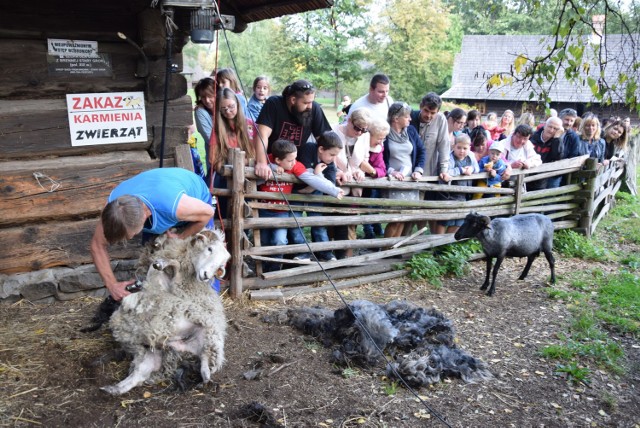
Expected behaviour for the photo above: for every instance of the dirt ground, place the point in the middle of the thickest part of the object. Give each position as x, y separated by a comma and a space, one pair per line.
50, 373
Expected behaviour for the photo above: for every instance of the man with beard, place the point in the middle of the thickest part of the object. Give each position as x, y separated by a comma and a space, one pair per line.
378, 99
292, 116
547, 144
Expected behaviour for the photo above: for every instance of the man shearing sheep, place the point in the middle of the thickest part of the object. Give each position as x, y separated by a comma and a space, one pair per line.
153, 201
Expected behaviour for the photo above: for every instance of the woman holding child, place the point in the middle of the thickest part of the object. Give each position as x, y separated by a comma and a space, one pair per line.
354, 134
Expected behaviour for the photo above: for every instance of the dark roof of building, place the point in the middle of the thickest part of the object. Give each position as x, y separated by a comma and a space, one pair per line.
245, 11
483, 56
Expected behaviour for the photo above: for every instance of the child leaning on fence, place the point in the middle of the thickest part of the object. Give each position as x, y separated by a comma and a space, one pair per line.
494, 165
373, 166
462, 161
319, 157
283, 159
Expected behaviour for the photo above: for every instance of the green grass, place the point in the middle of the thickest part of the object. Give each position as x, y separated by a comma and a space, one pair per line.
622, 223
446, 260
602, 305
574, 372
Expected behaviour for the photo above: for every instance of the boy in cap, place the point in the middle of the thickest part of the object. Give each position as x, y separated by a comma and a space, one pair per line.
494, 165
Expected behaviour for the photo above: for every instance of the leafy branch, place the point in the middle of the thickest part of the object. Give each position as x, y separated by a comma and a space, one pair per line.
585, 54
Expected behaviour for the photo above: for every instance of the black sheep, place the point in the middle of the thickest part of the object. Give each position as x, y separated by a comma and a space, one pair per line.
518, 236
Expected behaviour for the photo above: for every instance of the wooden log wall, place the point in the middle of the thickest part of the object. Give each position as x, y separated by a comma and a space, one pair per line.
50, 192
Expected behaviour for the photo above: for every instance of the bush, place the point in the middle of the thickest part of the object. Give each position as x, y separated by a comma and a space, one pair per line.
572, 244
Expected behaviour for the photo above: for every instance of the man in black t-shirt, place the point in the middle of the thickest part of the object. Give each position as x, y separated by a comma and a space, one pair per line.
292, 116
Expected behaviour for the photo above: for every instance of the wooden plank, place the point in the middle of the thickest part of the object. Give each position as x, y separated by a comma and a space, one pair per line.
41, 246
183, 156
378, 266
79, 161
281, 294
66, 191
36, 128
24, 74
444, 239
237, 227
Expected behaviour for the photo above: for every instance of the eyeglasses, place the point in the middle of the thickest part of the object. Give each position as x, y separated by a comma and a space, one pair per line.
460, 122
302, 87
229, 109
358, 129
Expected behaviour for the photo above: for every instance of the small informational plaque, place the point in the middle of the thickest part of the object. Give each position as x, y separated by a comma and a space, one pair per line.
77, 57
107, 118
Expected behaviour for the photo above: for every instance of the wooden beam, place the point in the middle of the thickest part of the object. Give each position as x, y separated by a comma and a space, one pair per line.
64, 243
68, 188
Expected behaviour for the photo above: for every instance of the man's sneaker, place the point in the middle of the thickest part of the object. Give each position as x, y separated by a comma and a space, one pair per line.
328, 258
302, 257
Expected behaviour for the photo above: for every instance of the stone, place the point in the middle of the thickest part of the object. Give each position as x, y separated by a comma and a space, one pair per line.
37, 284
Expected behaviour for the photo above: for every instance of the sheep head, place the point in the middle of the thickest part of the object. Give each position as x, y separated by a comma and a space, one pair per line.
210, 254
474, 223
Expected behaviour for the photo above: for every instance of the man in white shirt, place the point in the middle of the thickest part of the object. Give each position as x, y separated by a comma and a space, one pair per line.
378, 99
519, 151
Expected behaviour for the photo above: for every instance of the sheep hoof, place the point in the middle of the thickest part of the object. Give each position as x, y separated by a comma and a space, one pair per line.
111, 389
484, 286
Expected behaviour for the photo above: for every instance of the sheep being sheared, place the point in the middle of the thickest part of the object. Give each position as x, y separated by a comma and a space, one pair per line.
108, 306
523, 235
420, 341
176, 314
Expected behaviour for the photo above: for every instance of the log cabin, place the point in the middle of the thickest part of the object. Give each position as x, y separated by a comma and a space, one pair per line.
58, 57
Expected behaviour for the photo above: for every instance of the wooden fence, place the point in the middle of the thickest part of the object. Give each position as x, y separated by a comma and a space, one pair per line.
579, 204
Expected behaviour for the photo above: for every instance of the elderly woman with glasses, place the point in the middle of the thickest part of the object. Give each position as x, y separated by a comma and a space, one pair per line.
354, 134
404, 156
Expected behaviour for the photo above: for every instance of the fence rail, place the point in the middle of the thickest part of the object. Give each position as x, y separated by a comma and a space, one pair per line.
580, 204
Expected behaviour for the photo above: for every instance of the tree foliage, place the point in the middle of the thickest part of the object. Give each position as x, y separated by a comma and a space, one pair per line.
415, 46
323, 46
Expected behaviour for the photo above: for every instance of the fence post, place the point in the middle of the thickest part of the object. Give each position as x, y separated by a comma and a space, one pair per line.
237, 222
586, 215
519, 191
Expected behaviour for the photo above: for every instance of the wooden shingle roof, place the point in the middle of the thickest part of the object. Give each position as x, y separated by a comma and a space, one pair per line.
482, 56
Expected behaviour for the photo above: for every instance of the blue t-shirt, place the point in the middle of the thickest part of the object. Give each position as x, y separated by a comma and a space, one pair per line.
160, 190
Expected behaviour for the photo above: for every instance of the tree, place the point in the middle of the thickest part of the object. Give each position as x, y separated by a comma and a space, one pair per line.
594, 43
499, 17
323, 46
416, 45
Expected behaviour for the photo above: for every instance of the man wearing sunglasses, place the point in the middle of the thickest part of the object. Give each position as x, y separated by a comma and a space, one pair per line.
292, 116
378, 99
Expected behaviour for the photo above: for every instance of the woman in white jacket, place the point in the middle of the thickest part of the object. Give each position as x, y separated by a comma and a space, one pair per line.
354, 134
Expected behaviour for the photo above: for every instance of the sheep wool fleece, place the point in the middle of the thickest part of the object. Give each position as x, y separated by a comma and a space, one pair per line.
161, 189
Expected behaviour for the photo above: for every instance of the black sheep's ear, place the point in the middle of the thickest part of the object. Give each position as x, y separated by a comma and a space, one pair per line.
486, 222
